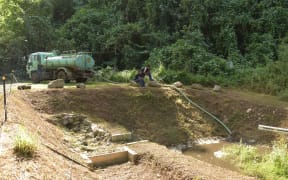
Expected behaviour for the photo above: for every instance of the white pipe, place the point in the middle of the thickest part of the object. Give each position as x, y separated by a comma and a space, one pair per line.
271, 128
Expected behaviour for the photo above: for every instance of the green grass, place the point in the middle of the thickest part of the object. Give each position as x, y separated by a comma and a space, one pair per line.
25, 144
270, 165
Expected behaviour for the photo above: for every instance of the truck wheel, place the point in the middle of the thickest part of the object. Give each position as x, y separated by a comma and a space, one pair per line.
35, 77
81, 80
62, 75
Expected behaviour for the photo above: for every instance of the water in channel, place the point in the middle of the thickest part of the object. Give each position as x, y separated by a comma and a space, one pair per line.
205, 152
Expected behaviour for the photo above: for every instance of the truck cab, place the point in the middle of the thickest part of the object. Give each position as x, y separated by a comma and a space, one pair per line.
49, 66
37, 59
35, 65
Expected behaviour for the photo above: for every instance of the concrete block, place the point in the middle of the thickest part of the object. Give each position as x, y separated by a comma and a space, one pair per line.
126, 154
132, 155
121, 137
137, 142
109, 159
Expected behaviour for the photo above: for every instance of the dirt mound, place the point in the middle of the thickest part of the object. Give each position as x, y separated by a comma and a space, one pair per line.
159, 115
243, 111
162, 116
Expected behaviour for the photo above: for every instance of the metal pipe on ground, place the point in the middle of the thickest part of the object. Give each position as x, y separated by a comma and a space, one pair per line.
273, 129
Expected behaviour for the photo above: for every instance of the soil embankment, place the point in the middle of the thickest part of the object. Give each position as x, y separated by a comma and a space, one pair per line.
243, 111
159, 115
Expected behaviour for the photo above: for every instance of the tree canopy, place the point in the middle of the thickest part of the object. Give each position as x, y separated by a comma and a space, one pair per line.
196, 36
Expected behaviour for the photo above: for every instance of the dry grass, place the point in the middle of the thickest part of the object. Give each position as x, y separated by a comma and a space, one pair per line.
25, 143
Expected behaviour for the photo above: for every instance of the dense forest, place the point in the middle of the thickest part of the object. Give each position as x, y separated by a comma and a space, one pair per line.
229, 42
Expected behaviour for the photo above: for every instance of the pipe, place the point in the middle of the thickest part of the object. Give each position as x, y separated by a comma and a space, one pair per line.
201, 108
271, 128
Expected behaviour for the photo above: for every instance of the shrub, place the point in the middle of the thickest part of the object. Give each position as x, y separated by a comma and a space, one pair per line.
123, 76
106, 72
25, 144
170, 76
215, 66
109, 73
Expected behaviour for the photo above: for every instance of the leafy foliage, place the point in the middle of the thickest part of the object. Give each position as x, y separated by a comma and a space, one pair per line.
211, 39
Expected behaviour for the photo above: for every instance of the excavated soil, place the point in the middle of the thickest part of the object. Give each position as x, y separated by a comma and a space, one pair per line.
159, 115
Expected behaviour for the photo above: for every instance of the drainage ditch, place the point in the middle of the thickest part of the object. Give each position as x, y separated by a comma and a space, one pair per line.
210, 150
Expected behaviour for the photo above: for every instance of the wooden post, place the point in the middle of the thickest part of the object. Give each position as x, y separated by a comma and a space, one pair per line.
5, 102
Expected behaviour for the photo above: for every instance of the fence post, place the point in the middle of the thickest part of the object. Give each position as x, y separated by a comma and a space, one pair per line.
5, 103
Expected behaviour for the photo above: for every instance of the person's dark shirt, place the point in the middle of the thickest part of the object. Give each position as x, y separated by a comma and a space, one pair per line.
139, 75
146, 70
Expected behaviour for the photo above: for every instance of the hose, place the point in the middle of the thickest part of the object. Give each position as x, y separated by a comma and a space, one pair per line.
201, 108
105, 79
67, 157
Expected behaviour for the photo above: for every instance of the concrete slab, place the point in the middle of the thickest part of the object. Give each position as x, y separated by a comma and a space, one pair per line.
121, 137
132, 155
107, 159
137, 142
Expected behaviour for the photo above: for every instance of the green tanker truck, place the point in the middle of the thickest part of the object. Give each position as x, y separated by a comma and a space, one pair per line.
69, 66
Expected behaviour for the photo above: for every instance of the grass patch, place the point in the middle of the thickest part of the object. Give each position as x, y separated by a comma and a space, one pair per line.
270, 165
111, 74
284, 95
25, 144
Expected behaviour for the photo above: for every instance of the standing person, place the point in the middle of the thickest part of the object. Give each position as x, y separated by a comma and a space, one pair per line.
147, 71
139, 78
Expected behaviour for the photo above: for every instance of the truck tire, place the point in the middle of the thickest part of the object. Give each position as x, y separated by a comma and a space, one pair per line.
63, 75
81, 80
35, 77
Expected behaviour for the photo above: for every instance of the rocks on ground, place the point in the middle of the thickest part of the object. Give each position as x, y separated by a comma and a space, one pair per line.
197, 86
23, 87
81, 134
217, 88
58, 83
153, 84
178, 84
81, 85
